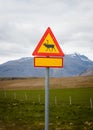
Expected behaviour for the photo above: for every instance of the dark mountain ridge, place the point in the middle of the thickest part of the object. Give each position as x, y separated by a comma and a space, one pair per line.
74, 64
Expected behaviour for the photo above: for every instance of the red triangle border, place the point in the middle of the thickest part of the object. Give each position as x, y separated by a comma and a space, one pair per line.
36, 53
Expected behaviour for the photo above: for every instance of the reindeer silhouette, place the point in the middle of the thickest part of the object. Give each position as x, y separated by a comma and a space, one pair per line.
49, 47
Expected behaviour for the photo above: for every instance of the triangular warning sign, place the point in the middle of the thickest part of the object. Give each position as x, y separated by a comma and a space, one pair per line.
48, 45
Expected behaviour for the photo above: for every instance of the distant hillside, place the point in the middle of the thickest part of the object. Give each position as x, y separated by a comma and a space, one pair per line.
87, 72
74, 64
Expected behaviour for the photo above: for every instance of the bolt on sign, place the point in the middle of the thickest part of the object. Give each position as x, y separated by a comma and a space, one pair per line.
48, 47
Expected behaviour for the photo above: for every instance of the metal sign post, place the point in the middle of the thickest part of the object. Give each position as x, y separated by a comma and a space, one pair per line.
51, 55
47, 99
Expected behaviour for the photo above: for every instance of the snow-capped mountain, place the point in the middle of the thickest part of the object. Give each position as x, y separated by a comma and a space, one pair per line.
87, 72
74, 64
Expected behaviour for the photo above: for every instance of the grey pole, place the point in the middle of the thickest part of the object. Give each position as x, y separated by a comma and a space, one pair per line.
47, 99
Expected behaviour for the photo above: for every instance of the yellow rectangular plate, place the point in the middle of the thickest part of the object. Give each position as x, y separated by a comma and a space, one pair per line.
56, 62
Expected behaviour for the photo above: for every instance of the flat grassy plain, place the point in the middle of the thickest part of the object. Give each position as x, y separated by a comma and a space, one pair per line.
22, 104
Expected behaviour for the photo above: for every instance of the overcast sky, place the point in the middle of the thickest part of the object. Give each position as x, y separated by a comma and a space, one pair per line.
23, 22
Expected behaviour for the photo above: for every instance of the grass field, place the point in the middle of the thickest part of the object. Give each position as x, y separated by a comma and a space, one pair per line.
22, 109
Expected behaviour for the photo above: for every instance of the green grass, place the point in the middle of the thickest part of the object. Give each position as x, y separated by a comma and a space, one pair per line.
24, 109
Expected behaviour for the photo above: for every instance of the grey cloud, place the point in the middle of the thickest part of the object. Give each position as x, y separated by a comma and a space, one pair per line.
23, 22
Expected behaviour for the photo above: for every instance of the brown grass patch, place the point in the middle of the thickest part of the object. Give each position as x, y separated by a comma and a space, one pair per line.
39, 83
